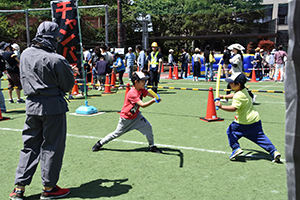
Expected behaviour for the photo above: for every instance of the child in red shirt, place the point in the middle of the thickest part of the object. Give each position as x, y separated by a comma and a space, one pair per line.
131, 117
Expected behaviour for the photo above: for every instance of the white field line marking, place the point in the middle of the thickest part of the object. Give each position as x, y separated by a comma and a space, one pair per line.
267, 86
146, 144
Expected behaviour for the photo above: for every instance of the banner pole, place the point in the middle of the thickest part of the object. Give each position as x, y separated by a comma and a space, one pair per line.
83, 109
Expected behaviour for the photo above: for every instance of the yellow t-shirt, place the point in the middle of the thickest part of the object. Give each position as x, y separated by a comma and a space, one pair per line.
245, 113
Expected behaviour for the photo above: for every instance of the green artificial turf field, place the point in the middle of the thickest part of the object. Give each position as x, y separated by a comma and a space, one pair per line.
194, 164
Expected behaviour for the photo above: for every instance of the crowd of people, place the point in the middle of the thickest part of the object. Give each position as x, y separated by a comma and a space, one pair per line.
102, 61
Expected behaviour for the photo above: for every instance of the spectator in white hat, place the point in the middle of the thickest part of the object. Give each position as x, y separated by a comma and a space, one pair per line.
197, 64
16, 49
171, 61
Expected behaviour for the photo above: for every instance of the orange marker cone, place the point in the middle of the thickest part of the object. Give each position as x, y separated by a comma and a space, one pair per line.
75, 89
253, 77
113, 80
3, 118
126, 91
174, 70
279, 75
162, 67
170, 73
107, 86
188, 70
176, 73
138, 69
211, 114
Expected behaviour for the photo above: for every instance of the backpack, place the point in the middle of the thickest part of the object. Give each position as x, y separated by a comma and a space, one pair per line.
8, 67
94, 59
182, 57
211, 58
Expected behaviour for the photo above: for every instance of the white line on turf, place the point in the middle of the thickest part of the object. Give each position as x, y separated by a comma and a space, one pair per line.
143, 143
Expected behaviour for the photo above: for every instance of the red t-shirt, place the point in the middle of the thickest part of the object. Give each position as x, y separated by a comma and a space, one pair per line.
130, 108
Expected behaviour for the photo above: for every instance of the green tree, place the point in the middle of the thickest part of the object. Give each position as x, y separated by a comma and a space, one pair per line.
202, 17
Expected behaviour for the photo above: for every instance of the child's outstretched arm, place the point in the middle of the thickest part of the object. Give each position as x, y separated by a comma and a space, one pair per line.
146, 104
228, 96
226, 108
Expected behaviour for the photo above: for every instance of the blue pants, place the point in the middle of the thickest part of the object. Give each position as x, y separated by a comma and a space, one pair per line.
252, 132
210, 67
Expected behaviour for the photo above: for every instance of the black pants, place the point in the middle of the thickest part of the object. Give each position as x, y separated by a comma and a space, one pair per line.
121, 77
153, 80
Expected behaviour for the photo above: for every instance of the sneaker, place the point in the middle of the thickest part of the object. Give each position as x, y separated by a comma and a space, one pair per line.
235, 153
16, 194
276, 156
254, 98
20, 101
99, 88
11, 101
155, 149
97, 146
56, 192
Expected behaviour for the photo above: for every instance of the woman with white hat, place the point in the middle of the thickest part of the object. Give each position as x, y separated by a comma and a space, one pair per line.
237, 66
197, 65
16, 50
171, 62
271, 62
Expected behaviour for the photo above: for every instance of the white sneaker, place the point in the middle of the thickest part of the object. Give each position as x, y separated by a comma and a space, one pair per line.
254, 98
224, 100
99, 88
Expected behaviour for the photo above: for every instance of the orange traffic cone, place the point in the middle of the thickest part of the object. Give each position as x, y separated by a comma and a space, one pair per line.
75, 89
174, 70
188, 70
3, 118
211, 114
253, 77
107, 86
113, 79
126, 91
279, 75
176, 73
162, 67
170, 73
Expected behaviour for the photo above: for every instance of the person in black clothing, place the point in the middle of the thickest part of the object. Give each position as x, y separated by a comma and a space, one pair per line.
225, 58
102, 69
13, 73
207, 63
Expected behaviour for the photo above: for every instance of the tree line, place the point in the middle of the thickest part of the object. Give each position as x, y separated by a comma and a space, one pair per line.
168, 18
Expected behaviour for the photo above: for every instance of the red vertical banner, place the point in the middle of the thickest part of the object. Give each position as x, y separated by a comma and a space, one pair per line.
64, 13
